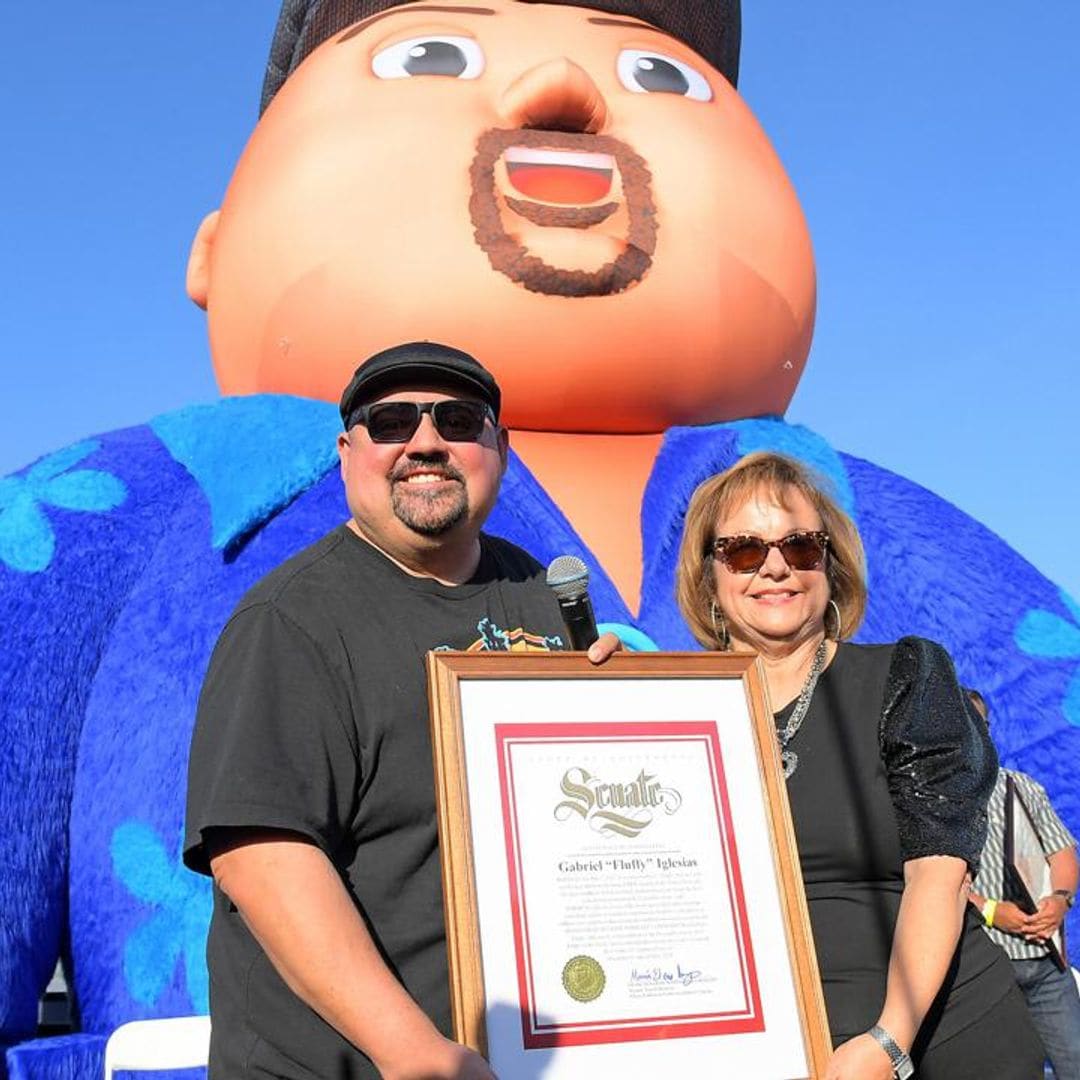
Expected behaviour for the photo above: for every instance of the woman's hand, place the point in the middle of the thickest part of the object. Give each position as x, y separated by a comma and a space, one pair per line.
861, 1058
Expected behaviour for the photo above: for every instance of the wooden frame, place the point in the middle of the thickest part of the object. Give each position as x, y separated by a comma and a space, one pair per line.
789, 976
1027, 865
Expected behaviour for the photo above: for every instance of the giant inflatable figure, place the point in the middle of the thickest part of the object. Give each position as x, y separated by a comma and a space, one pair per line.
579, 197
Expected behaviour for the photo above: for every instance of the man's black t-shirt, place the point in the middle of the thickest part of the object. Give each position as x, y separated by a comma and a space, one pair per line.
314, 718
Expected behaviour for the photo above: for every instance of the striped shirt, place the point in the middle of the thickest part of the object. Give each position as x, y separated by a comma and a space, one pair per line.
991, 879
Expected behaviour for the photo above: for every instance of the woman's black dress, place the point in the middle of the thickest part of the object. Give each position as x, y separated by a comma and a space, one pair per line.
893, 766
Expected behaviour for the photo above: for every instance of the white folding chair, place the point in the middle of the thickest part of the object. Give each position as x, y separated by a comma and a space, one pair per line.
181, 1042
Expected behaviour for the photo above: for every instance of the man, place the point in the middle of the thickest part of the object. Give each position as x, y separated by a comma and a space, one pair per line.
311, 796
1051, 993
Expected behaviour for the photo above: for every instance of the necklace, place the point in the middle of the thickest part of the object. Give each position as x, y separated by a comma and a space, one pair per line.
788, 758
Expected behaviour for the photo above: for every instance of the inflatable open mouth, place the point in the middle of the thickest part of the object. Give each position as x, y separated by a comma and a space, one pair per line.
562, 180
564, 177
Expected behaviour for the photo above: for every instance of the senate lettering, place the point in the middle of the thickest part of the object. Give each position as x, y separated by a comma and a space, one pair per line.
624, 809
588, 792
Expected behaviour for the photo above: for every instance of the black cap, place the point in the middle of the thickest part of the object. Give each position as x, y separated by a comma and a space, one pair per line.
712, 28
419, 363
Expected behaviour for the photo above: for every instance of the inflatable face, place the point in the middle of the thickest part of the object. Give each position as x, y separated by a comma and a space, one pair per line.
578, 199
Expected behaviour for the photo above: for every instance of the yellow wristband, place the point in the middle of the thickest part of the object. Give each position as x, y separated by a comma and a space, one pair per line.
988, 911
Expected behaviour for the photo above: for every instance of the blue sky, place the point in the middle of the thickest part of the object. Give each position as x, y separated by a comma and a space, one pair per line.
935, 146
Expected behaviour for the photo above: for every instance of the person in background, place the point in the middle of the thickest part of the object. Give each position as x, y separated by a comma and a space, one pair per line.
888, 773
1051, 993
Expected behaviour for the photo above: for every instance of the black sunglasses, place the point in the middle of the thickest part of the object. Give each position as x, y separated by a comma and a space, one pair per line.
396, 421
747, 554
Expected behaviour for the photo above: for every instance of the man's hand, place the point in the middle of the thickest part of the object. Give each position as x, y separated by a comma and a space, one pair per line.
861, 1058
604, 646
1046, 920
435, 1059
1011, 918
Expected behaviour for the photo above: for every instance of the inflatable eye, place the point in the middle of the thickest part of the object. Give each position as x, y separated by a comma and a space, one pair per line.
457, 57
653, 73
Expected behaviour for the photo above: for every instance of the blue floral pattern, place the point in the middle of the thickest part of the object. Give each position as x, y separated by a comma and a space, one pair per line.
181, 903
1049, 636
27, 540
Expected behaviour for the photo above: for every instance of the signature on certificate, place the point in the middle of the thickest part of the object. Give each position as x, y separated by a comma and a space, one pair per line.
656, 976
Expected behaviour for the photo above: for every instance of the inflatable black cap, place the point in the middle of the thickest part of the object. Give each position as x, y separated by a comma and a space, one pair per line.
710, 27
416, 364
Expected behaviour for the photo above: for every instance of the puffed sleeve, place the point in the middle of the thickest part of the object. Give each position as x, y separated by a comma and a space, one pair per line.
940, 762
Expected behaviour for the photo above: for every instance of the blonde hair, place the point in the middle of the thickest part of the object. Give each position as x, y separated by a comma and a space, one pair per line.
775, 476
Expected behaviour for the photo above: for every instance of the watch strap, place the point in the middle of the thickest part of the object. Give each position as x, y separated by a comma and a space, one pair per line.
1069, 897
901, 1063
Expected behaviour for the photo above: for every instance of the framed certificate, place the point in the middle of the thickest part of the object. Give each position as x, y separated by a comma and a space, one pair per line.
619, 868
1026, 863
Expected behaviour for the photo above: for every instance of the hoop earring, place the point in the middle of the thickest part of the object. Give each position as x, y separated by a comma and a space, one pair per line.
839, 621
723, 638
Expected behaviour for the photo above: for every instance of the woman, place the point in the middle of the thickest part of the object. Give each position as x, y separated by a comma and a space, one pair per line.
888, 776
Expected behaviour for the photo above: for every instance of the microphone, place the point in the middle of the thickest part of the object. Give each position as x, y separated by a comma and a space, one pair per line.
568, 578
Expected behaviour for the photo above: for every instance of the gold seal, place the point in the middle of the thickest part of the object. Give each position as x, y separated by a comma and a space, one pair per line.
583, 978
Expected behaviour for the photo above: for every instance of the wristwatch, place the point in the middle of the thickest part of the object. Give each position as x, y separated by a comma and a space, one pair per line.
1069, 898
902, 1067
